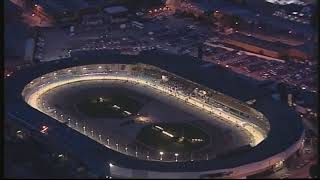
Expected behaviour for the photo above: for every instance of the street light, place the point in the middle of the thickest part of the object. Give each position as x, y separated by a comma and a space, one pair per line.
117, 146
161, 153
176, 155
84, 129
108, 142
99, 137
92, 133
148, 157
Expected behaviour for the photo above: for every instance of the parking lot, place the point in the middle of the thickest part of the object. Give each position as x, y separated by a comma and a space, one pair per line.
160, 29
297, 74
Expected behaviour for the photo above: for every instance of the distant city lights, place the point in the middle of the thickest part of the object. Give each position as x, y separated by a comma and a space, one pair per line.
285, 2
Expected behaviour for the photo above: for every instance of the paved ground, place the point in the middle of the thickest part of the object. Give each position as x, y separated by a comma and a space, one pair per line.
25, 158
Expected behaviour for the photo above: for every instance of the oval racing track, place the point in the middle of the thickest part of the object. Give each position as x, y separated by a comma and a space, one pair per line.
258, 136
281, 142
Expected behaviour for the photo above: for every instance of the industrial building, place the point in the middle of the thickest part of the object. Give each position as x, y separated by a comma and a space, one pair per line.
271, 49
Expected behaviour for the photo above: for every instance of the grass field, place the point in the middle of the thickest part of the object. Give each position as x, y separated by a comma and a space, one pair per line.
113, 106
181, 141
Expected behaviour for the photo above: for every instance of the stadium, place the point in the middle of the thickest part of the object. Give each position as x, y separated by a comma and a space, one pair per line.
135, 117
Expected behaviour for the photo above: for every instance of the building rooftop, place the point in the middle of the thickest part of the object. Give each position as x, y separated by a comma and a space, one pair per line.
250, 12
275, 46
58, 7
115, 9
16, 32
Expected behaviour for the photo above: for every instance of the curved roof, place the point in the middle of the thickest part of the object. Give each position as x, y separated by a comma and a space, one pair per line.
285, 125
